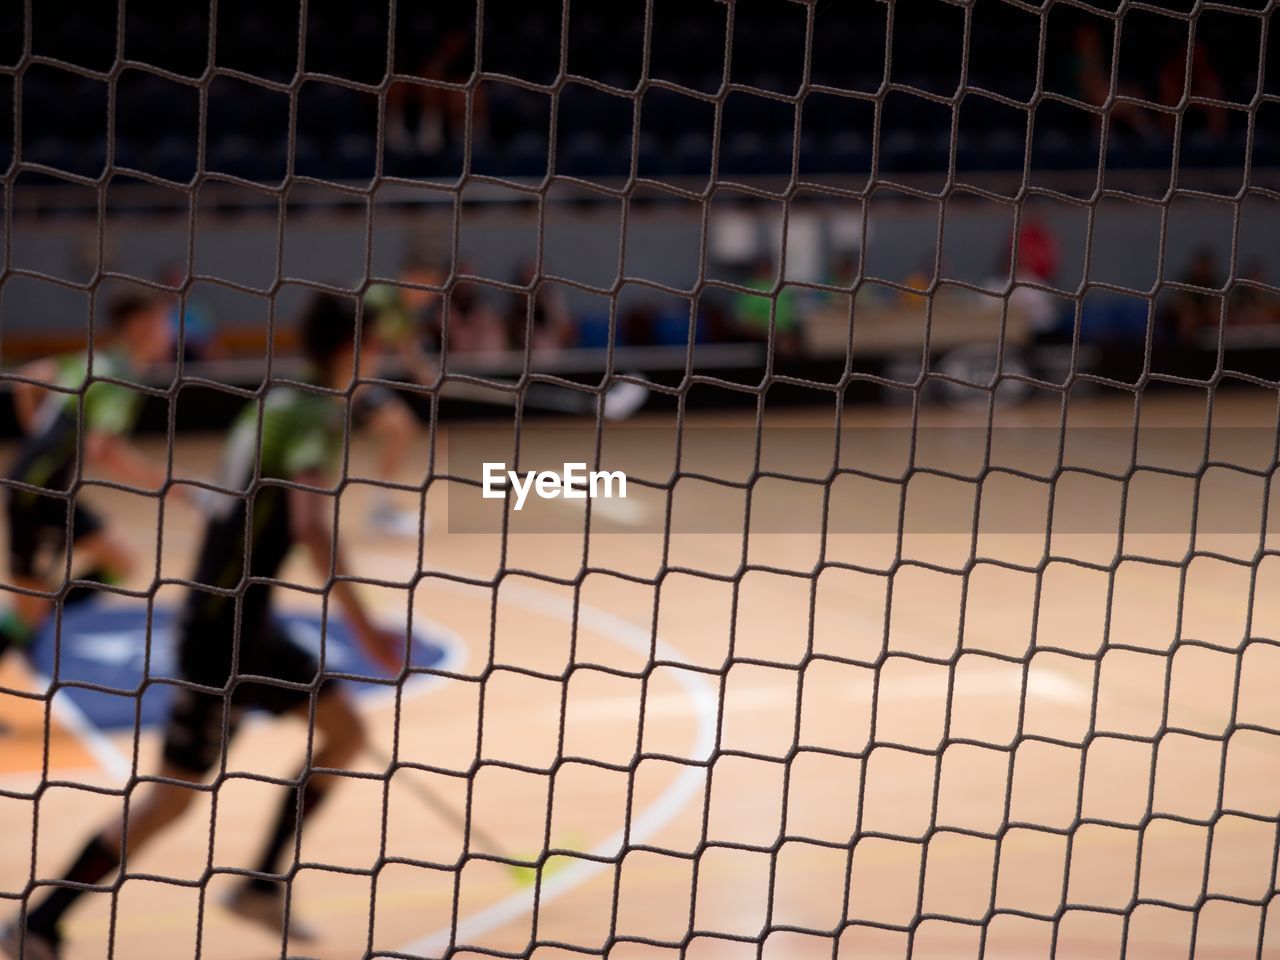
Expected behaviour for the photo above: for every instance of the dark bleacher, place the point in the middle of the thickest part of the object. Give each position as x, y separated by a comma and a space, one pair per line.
244, 122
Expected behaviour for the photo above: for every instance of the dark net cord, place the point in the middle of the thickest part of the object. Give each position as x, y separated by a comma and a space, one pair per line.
537, 192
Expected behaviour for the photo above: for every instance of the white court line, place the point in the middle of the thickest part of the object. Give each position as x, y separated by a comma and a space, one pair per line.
700, 700
1041, 685
983, 683
110, 760
650, 821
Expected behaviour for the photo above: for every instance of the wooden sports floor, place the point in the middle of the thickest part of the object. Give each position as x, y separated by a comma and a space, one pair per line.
1037, 751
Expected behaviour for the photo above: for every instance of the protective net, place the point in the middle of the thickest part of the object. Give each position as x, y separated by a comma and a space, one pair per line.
939, 617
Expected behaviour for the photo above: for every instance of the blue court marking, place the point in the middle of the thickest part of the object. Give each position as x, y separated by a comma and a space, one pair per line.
107, 646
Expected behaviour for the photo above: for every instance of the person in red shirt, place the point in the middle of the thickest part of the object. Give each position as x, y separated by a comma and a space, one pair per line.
1038, 253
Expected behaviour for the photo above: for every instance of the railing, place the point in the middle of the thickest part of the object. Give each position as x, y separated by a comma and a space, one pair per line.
218, 192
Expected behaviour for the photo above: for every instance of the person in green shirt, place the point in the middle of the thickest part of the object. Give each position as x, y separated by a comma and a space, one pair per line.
753, 312
233, 654
76, 419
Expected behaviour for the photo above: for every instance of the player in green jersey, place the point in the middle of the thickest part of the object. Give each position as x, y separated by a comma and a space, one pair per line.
83, 423
233, 655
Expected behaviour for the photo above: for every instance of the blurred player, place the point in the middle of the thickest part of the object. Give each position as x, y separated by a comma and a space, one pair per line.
399, 317
764, 315
48, 457
549, 325
413, 315
190, 319
299, 442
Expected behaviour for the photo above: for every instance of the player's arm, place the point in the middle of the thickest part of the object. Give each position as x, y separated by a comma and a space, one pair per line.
110, 414
309, 514
117, 457
27, 397
421, 367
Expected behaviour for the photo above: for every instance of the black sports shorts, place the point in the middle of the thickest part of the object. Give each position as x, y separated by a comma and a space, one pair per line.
283, 673
36, 521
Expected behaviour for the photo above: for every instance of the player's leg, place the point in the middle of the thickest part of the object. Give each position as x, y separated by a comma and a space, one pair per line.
193, 742
339, 737
21, 619
158, 806
98, 555
340, 734
33, 521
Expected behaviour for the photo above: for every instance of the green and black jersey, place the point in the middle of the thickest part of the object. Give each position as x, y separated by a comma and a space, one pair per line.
299, 432
48, 455
47, 458
396, 323
225, 637
393, 319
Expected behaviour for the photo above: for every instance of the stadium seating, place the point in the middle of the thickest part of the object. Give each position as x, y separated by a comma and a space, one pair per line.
247, 121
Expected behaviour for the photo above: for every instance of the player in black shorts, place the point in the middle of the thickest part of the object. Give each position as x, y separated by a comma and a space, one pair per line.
295, 442
38, 495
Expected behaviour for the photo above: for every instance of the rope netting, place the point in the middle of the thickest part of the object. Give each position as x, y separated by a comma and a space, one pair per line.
1208, 891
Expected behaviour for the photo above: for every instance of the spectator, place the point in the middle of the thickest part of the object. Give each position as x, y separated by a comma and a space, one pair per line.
440, 114
1035, 262
413, 315
636, 322
918, 282
753, 312
402, 310
1038, 255
1091, 75
1249, 304
190, 320
1192, 310
468, 318
1112, 319
842, 274
1205, 82
844, 270
399, 314
551, 324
